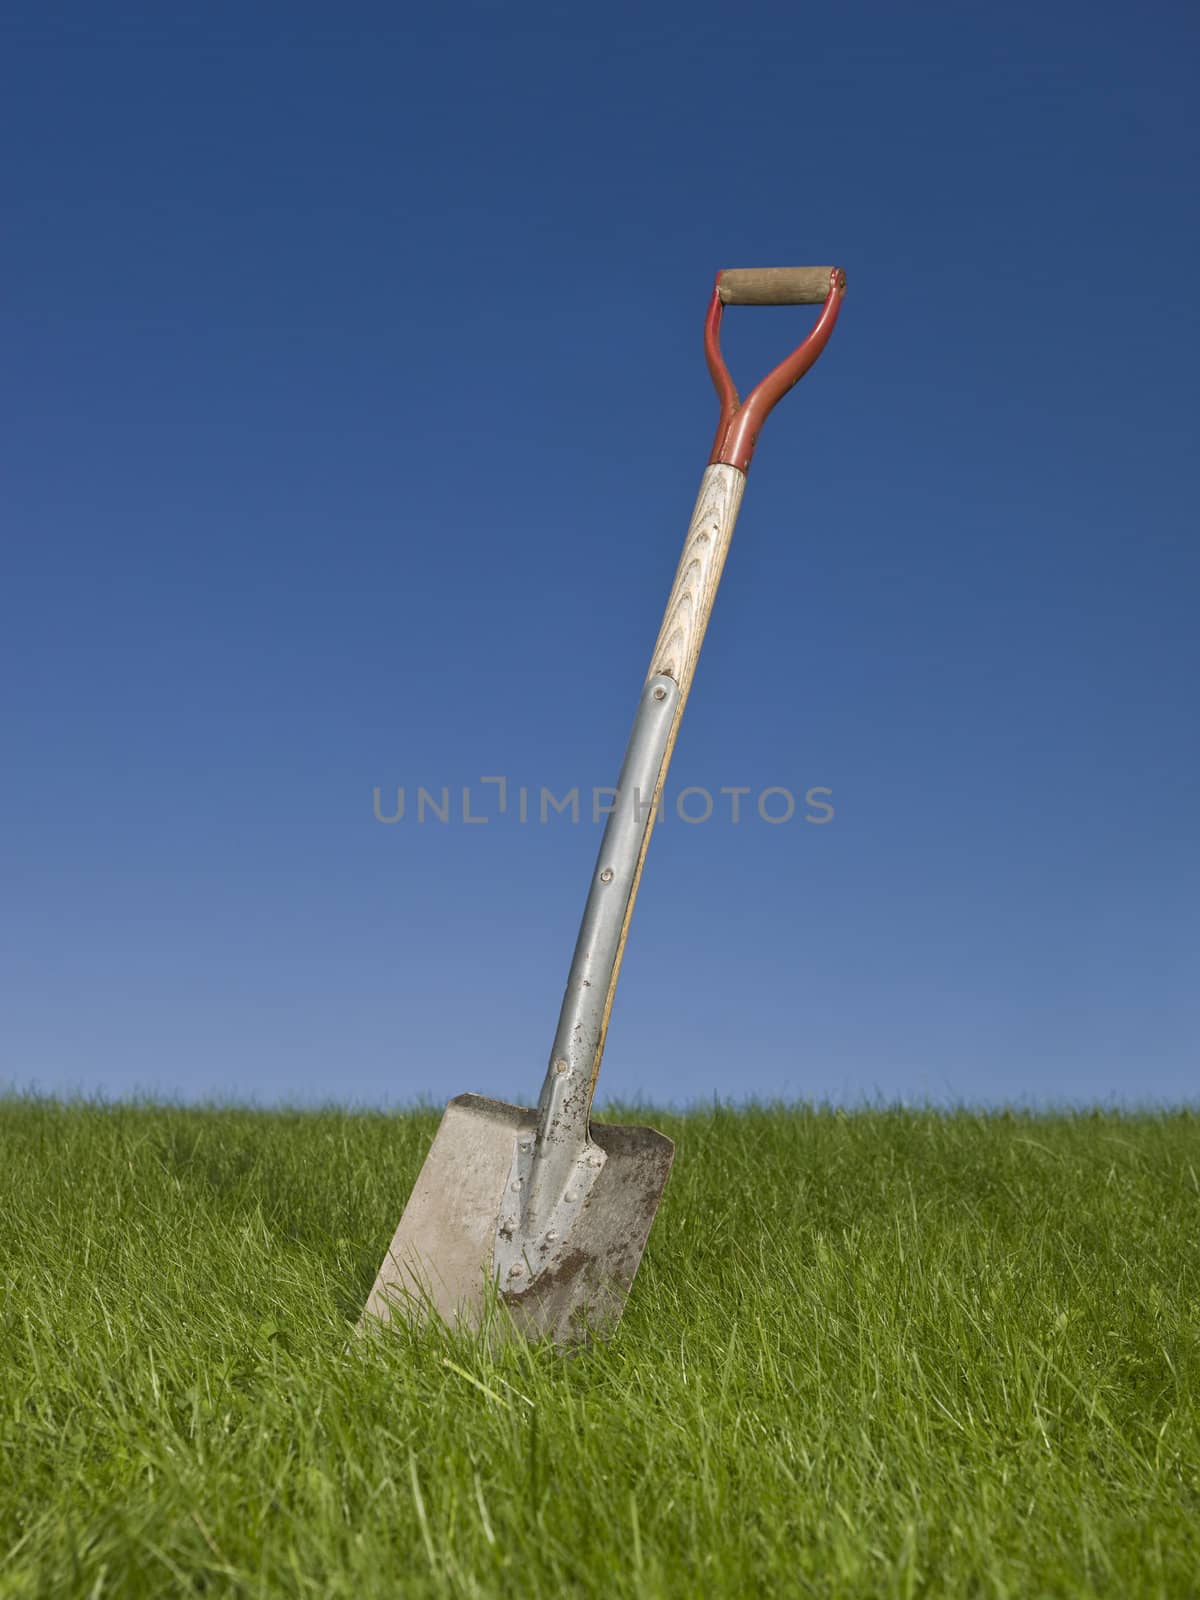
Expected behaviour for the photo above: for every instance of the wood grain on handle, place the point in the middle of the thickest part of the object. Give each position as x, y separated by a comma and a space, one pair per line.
776, 286
677, 651
691, 600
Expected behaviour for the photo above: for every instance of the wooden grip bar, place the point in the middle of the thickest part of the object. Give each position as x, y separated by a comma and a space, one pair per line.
777, 286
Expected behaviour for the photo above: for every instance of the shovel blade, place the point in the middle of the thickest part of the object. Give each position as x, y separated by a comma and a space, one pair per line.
440, 1261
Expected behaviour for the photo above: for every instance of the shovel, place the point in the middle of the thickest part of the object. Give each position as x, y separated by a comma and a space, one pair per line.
542, 1214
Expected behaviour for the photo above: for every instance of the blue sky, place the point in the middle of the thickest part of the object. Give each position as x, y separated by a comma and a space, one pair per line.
354, 408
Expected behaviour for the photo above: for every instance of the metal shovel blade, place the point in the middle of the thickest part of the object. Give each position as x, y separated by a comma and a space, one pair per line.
441, 1259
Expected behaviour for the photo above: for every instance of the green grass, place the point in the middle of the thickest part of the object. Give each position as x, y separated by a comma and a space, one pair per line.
877, 1354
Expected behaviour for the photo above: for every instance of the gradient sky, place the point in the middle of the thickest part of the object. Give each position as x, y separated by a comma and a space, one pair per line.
354, 408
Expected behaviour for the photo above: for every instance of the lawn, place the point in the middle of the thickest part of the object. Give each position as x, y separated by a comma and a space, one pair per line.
879, 1353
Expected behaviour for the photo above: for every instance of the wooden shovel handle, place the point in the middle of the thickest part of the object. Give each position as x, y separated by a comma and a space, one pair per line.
777, 286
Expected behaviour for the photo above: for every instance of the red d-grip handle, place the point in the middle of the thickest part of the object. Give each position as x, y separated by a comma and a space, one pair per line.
741, 420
